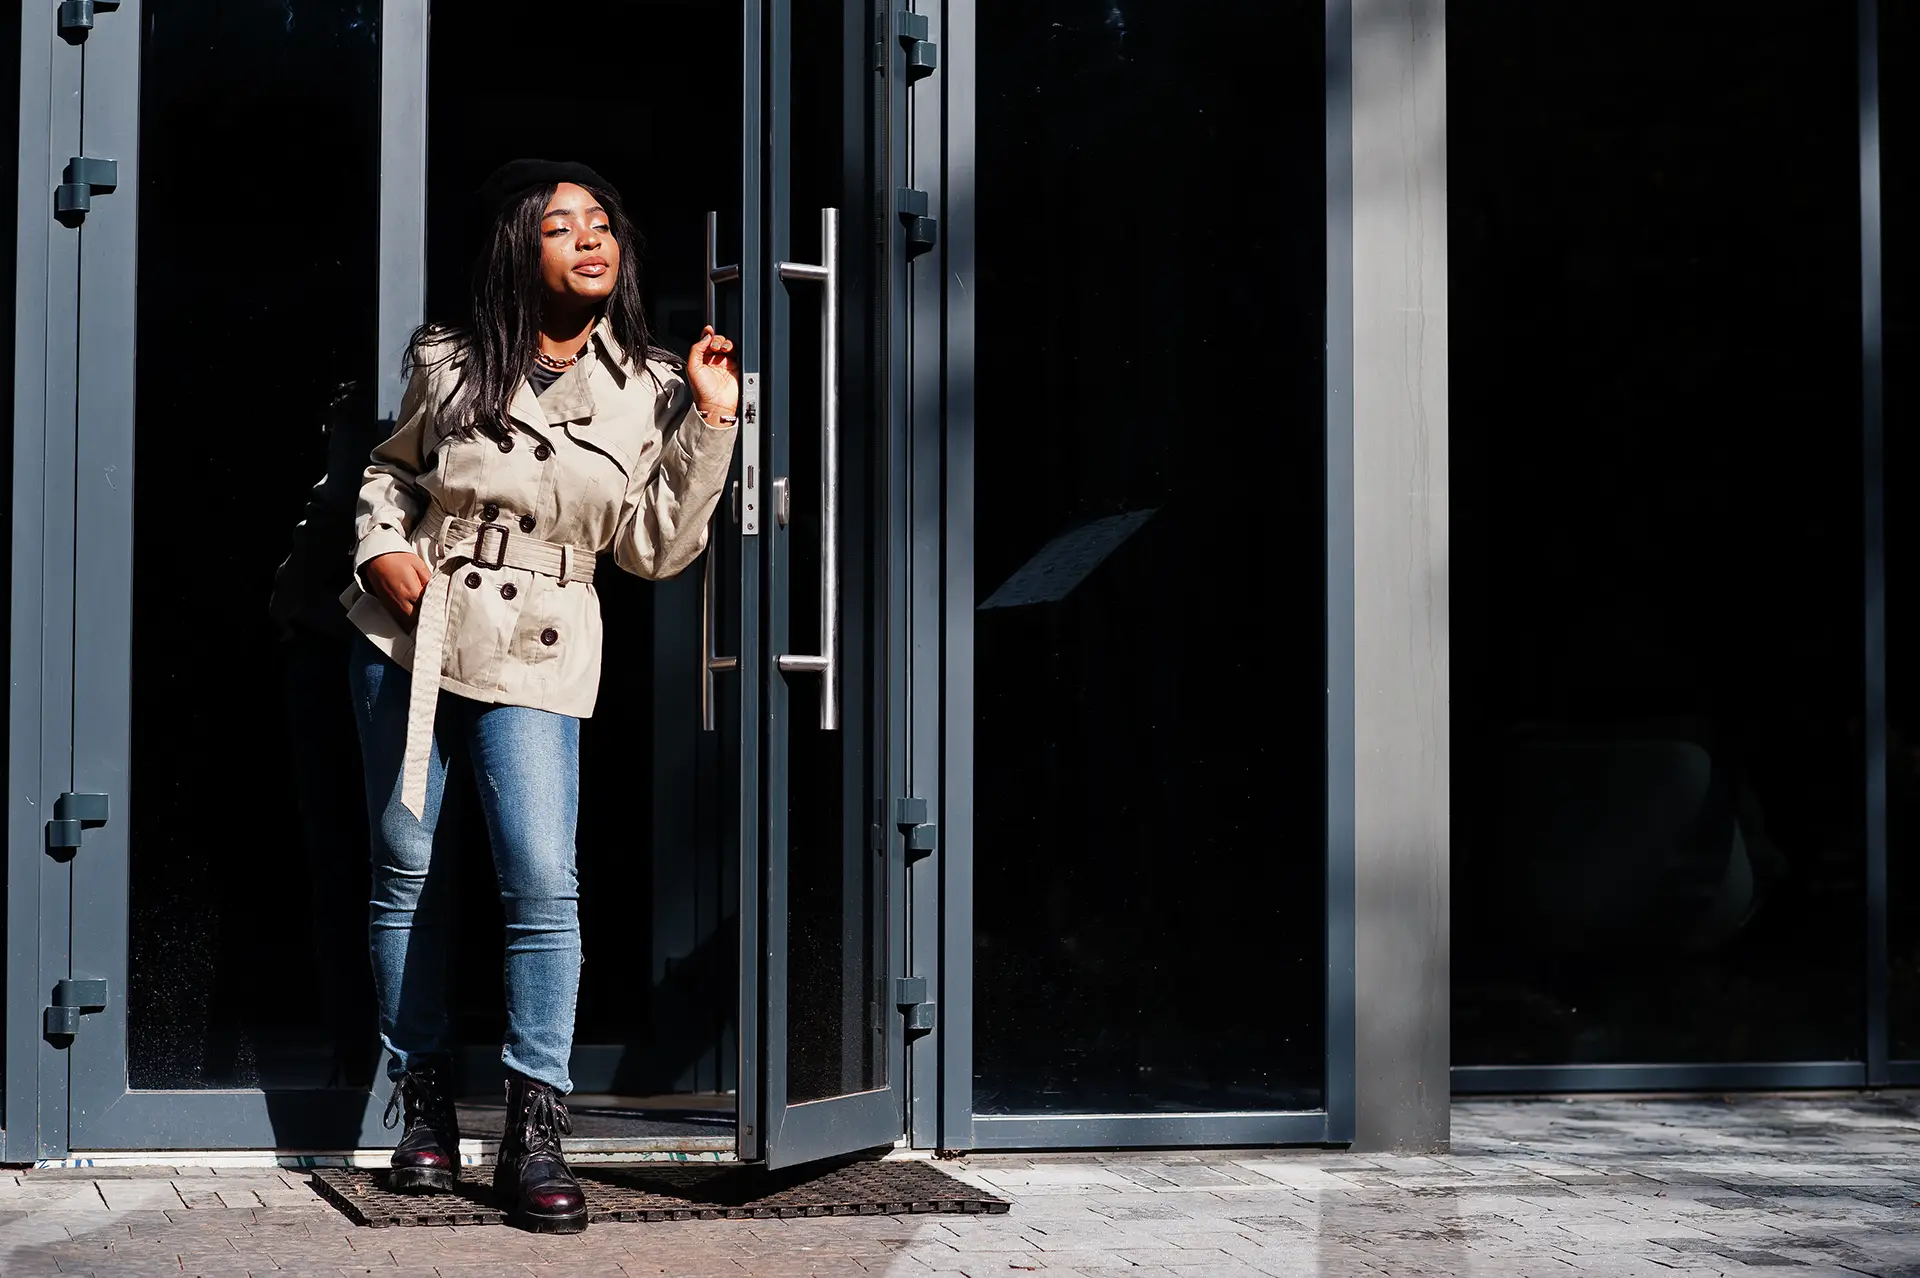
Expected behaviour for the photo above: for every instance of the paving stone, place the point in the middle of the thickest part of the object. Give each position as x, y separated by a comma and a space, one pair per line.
1807, 1186
101, 1173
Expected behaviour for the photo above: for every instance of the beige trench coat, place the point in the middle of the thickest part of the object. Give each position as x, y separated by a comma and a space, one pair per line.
611, 459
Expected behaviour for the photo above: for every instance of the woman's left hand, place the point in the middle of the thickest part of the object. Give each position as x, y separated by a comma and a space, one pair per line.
712, 375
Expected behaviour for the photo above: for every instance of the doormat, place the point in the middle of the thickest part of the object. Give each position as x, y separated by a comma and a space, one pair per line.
894, 1187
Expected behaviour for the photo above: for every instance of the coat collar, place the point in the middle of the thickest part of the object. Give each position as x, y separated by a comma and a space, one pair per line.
611, 353
571, 398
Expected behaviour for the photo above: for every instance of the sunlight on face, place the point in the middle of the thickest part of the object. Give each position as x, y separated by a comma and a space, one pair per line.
579, 257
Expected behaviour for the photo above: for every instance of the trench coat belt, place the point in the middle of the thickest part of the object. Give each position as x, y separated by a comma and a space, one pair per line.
484, 545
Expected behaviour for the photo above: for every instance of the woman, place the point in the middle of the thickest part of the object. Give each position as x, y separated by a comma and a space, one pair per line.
539, 433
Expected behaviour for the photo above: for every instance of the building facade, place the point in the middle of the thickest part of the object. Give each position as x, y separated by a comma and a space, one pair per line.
1061, 744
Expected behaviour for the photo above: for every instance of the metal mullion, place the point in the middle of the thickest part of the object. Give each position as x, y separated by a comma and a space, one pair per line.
958, 25
880, 158
1338, 1016
1872, 431
46, 317
775, 451
917, 333
749, 1126
103, 536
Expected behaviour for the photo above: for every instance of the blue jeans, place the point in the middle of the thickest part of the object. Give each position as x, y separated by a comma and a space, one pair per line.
527, 765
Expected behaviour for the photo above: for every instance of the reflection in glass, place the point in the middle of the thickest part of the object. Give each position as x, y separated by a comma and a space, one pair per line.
1149, 754
1658, 770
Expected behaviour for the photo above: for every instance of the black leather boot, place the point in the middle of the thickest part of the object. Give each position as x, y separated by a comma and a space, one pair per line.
532, 1176
427, 1159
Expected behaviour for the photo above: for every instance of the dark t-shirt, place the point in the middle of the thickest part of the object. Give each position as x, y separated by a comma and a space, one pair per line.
543, 377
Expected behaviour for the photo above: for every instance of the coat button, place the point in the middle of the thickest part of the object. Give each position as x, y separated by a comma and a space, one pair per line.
542, 453
490, 511
508, 591
473, 581
527, 523
549, 636
506, 445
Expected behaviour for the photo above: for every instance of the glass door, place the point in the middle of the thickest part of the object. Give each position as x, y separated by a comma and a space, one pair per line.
218, 994
242, 329
833, 1015
241, 325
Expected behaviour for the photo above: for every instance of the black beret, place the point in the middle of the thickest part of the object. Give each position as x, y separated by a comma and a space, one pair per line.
517, 177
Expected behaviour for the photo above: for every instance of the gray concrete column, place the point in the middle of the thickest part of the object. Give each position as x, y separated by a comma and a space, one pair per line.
1400, 580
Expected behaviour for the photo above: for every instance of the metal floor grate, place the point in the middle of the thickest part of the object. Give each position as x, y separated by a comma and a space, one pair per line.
654, 1192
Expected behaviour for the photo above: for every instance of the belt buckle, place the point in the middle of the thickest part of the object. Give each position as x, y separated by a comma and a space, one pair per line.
480, 546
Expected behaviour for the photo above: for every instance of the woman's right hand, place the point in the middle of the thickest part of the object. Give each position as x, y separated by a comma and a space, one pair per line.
397, 579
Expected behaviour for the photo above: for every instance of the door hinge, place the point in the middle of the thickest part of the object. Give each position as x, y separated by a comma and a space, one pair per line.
923, 56
70, 998
73, 814
85, 177
910, 996
922, 835
76, 16
922, 231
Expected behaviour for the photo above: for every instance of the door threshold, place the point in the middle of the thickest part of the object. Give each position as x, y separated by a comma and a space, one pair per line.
473, 1153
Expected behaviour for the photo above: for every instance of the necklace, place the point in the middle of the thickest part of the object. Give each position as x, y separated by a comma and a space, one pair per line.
557, 363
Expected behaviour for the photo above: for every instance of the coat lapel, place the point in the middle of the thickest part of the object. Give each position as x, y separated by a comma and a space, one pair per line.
570, 400
525, 408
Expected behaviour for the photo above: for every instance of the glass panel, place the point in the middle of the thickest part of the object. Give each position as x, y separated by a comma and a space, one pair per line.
1658, 787
654, 1048
1900, 216
1149, 761
836, 891
256, 339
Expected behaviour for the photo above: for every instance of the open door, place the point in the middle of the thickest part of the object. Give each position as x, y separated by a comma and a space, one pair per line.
829, 893
211, 992
217, 995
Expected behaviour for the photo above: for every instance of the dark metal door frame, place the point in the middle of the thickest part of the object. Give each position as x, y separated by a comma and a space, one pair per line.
1873, 1066
77, 661
945, 345
45, 388
875, 696
103, 1112
749, 1130
106, 1113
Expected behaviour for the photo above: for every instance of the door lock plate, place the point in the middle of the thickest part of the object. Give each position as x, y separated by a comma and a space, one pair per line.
750, 455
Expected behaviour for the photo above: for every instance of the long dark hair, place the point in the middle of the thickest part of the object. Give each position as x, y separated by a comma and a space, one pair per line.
495, 340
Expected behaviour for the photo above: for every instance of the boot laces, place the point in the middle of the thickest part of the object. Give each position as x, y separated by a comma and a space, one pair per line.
416, 1097
545, 1121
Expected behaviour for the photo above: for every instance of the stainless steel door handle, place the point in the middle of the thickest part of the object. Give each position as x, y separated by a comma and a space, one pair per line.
710, 661
746, 495
716, 273
827, 662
